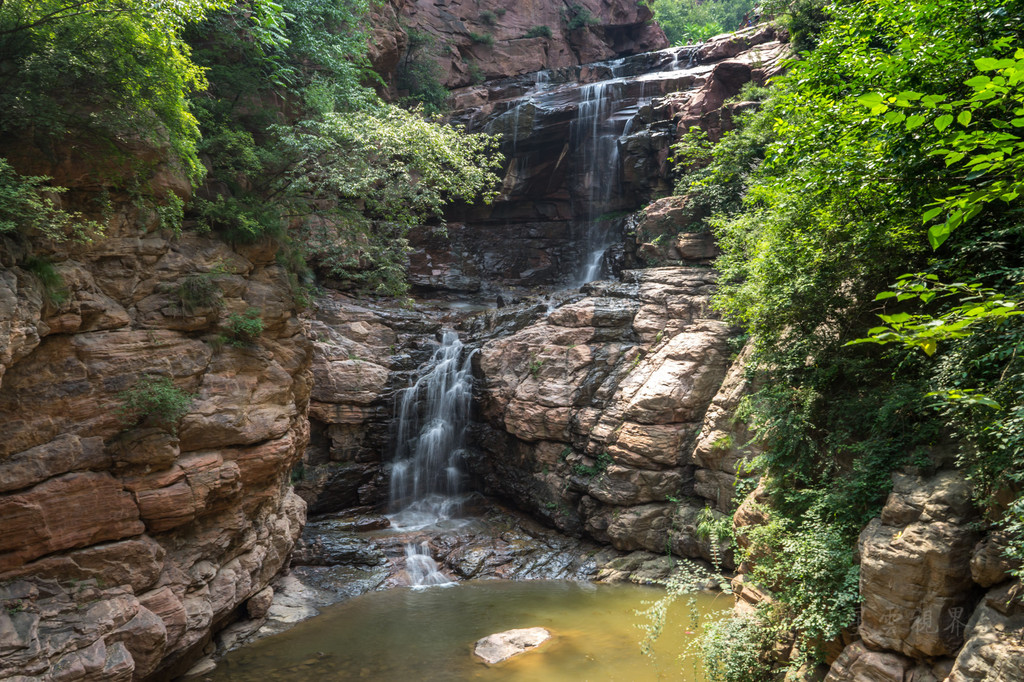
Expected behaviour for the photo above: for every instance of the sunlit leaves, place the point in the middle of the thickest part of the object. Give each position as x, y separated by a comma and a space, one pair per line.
975, 305
116, 68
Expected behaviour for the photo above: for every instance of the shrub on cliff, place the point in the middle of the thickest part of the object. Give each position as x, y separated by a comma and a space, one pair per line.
28, 204
245, 328
155, 400
344, 176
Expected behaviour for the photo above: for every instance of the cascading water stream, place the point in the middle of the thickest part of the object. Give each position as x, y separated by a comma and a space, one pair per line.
600, 124
426, 479
595, 134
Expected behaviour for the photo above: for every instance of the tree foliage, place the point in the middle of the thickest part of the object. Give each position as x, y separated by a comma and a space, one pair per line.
115, 68
687, 22
31, 204
276, 98
343, 179
891, 147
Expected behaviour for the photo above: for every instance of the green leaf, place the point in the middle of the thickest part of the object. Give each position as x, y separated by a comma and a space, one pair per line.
930, 214
986, 64
870, 100
938, 234
915, 121
964, 118
884, 295
942, 122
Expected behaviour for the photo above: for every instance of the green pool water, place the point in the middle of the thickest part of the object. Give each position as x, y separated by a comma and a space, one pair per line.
403, 635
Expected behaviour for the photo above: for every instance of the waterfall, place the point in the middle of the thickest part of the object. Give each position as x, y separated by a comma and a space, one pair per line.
431, 419
601, 105
595, 136
421, 569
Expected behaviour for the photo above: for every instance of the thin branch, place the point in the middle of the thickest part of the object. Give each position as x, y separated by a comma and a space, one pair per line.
61, 14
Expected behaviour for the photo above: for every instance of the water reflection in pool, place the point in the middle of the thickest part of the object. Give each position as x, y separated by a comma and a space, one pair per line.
404, 635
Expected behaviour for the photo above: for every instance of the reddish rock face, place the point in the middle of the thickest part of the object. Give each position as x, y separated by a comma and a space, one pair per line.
468, 40
123, 546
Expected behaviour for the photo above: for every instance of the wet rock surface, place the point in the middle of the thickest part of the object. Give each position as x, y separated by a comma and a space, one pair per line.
560, 127
343, 555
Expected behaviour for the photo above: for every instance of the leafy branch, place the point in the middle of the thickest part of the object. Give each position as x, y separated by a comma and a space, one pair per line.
977, 305
982, 145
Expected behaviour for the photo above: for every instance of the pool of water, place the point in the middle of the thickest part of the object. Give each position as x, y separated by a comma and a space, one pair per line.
405, 635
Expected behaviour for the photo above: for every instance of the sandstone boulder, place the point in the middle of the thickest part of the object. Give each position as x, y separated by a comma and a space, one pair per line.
504, 645
858, 663
989, 563
993, 649
915, 575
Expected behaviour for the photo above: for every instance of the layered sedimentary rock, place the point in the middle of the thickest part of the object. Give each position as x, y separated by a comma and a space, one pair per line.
471, 41
125, 542
362, 355
592, 413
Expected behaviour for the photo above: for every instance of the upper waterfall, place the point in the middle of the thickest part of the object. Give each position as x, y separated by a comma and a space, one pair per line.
585, 146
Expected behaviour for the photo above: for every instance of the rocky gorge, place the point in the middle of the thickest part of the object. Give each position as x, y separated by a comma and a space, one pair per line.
605, 395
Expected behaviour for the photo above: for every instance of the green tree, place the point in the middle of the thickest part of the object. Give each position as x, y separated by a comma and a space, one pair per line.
901, 113
341, 180
115, 68
687, 22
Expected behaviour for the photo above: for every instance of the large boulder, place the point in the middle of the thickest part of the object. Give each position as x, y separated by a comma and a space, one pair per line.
592, 412
915, 575
993, 649
504, 645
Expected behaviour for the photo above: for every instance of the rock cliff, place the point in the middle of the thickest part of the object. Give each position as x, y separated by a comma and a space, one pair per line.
469, 42
126, 543
585, 146
597, 417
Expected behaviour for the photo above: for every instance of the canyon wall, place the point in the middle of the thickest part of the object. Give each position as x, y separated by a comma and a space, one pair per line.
604, 417
127, 542
471, 42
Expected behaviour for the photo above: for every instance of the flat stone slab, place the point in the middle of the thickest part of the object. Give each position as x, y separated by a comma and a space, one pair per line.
504, 645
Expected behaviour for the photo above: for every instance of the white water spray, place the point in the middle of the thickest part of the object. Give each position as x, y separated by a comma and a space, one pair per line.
426, 479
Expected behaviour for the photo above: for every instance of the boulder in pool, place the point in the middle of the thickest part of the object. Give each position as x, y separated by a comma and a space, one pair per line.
504, 645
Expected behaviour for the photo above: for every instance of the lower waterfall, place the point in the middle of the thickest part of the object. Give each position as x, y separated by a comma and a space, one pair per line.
426, 476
